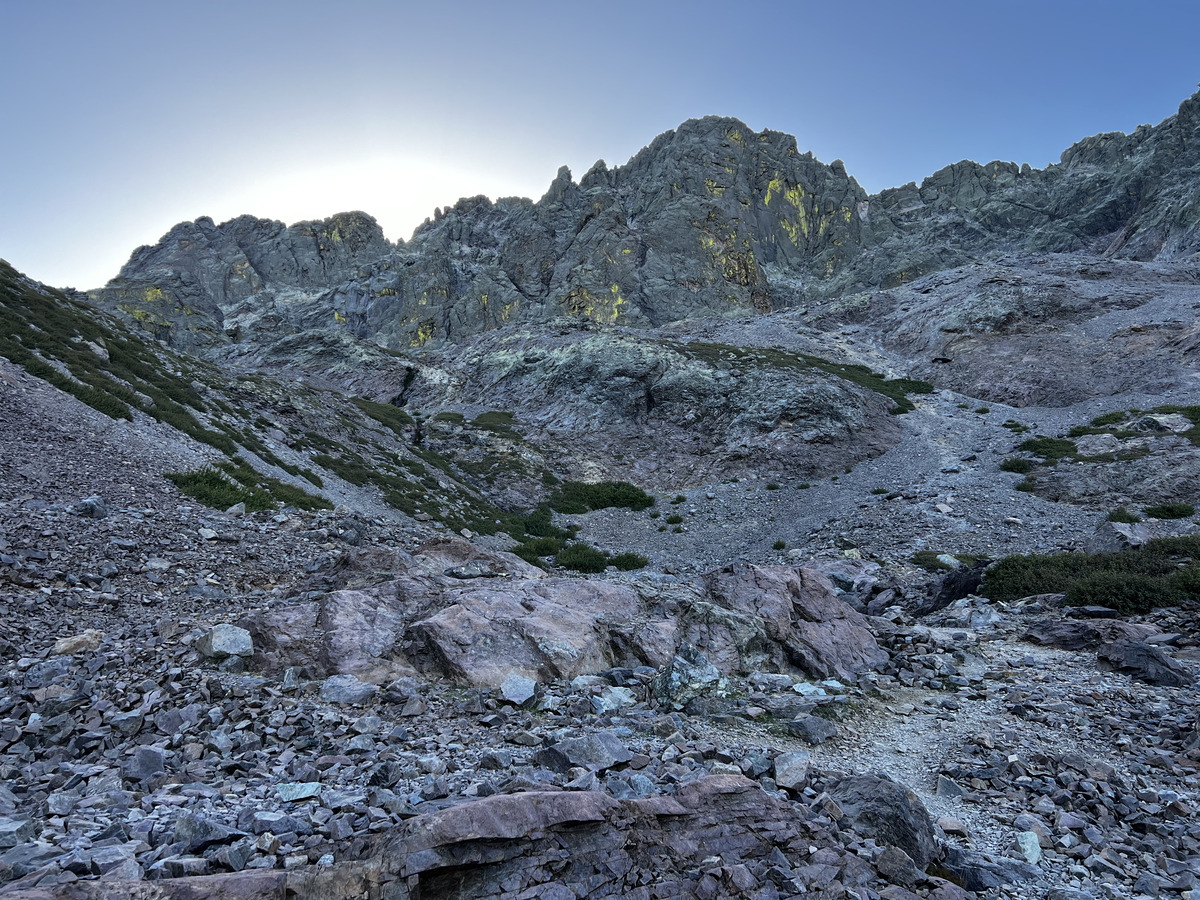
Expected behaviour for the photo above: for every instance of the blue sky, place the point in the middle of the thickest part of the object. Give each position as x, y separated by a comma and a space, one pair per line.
123, 118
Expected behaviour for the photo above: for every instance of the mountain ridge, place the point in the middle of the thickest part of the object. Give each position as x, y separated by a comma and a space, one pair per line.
710, 218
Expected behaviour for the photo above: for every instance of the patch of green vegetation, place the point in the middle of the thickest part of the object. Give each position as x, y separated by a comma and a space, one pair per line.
1028, 485
772, 486
582, 558
1121, 514
983, 410
1161, 573
679, 498
879, 491
1051, 450
216, 489
1016, 464
1171, 511
895, 389
928, 560
576, 497
1015, 427
654, 513
779, 545
1111, 418
674, 519
804, 485
497, 422
963, 405
628, 562
385, 414
52, 337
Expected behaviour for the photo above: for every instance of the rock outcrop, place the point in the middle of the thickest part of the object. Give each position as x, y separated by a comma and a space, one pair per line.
709, 219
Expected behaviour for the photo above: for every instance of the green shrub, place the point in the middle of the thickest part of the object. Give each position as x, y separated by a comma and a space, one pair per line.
679, 498
963, 405
928, 560
1158, 574
582, 558
1029, 485
674, 519
983, 410
804, 485
1016, 464
215, 489
627, 562
779, 545
1127, 594
574, 497
772, 486
1171, 511
654, 514
1111, 418
1121, 514
1048, 448
1015, 427
880, 491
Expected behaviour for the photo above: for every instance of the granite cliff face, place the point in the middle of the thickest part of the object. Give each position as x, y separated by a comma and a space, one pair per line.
711, 219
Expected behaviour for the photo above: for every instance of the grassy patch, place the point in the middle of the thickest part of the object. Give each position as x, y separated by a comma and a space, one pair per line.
385, 414
576, 497
1121, 514
1051, 450
1171, 511
674, 519
582, 558
779, 545
218, 490
1016, 464
1164, 571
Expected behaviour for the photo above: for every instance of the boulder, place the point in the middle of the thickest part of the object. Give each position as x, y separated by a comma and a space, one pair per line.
347, 689
979, 872
594, 752
1078, 634
518, 690
791, 770
803, 621
1113, 537
223, 641
812, 729
879, 808
1145, 662
689, 675
544, 629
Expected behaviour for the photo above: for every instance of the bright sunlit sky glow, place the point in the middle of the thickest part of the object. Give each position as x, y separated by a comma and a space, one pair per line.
123, 118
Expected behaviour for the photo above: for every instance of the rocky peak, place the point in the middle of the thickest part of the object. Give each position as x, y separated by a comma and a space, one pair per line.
710, 219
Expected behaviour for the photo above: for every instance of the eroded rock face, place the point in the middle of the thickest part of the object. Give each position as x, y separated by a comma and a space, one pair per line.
802, 621
510, 618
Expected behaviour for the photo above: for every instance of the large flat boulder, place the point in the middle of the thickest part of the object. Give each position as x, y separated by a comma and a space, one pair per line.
552, 628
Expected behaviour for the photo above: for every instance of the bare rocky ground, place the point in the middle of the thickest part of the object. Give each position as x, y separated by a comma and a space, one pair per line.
136, 764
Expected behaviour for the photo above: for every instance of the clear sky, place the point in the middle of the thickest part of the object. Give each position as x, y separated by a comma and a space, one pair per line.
122, 118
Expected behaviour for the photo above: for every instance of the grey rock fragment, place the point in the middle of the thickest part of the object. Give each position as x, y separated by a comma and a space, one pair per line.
346, 689
1145, 663
518, 690
812, 729
594, 752
223, 641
